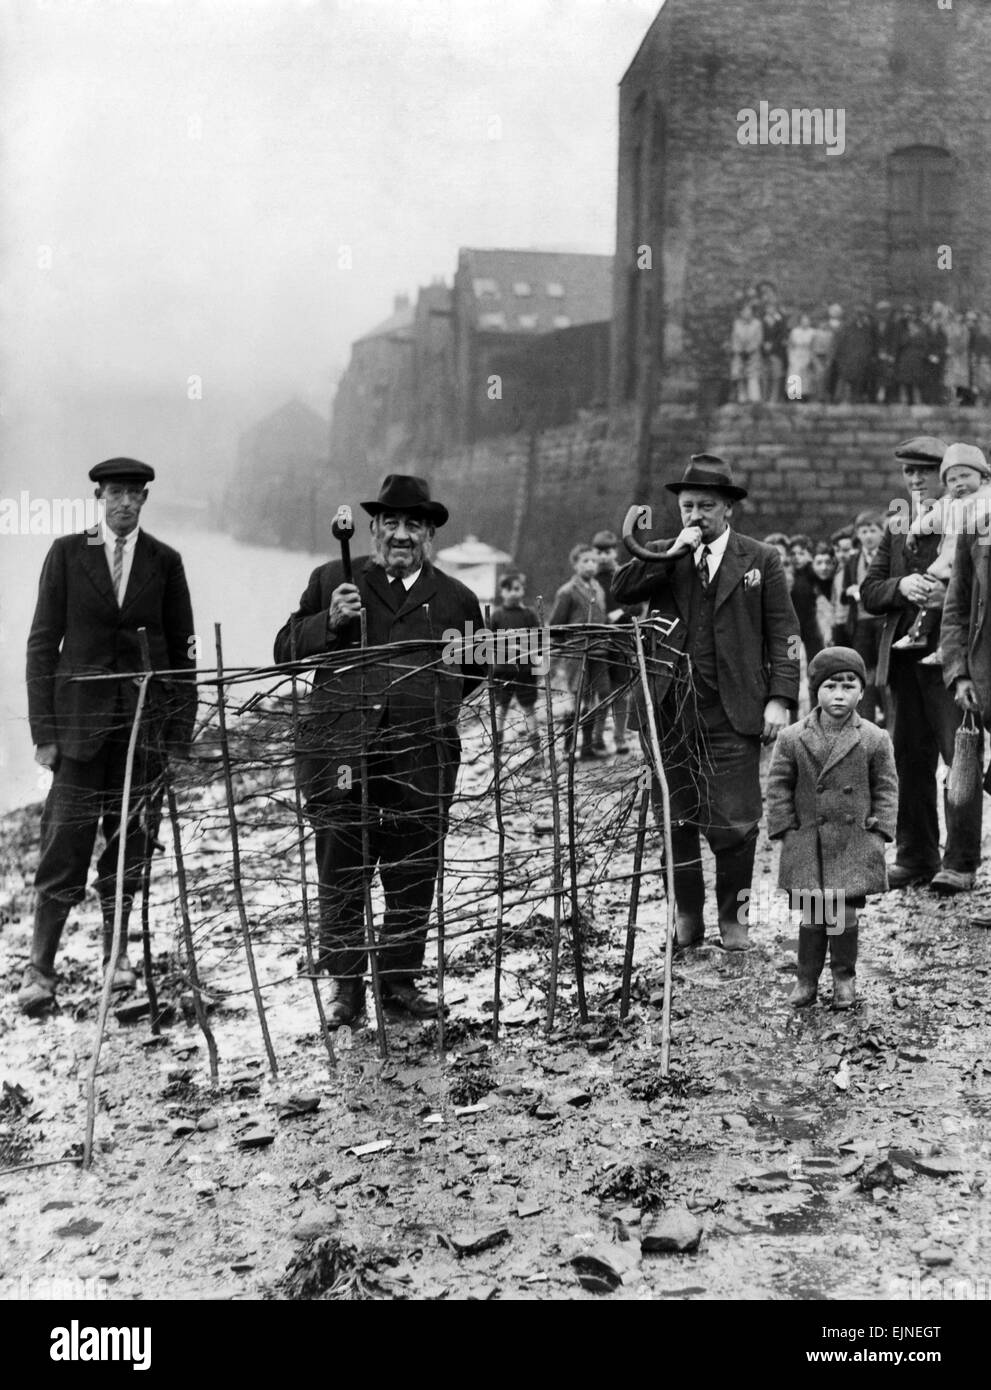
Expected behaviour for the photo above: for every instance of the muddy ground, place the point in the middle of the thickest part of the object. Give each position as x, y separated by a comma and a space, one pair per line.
810, 1155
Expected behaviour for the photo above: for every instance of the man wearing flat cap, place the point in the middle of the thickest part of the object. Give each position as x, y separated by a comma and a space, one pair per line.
97, 589
925, 715
727, 674
412, 762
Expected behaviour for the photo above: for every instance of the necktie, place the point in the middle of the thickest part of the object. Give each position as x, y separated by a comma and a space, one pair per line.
704, 579
118, 566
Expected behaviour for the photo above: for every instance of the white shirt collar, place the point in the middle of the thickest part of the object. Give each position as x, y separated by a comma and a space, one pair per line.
110, 539
410, 579
716, 548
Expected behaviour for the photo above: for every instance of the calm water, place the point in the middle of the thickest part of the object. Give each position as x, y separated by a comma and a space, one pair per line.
250, 590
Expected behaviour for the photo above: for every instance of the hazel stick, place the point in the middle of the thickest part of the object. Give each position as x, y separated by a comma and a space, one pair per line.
371, 945
631, 922
556, 880
655, 747
111, 966
501, 849
328, 1041
199, 1008
236, 855
576, 940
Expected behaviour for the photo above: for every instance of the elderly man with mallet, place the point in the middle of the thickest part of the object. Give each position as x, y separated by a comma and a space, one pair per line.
383, 704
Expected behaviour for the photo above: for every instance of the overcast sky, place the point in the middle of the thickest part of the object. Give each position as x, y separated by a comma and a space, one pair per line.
180, 178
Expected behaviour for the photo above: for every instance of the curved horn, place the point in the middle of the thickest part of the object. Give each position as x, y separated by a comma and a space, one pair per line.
631, 523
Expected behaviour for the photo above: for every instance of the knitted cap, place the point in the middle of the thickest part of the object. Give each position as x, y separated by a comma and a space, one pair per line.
964, 456
830, 661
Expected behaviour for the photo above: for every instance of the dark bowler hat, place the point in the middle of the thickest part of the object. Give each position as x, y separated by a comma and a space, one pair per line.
117, 470
706, 470
926, 449
401, 492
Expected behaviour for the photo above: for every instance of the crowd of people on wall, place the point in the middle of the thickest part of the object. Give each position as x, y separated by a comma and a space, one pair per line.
890, 354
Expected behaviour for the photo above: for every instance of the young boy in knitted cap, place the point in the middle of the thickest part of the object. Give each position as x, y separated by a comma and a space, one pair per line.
832, 799
964, 508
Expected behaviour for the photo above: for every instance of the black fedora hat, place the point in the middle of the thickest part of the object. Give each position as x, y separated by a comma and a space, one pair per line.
401, 492
708, 471
117, 470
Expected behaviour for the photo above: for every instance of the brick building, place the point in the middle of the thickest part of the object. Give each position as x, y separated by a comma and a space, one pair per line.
503, 298
913, 175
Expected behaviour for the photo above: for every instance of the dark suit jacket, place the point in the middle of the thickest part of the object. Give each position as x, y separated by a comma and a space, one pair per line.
756, 630
966, 642
879, 591
399, 685
79, 630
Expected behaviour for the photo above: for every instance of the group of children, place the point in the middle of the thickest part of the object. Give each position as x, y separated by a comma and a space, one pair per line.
595, 664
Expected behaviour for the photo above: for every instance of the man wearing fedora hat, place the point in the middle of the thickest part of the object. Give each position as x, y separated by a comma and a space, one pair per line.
925, 716
412, 759
97, 590
727, 674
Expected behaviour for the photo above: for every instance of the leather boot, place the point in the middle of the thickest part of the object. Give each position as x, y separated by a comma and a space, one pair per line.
689, 889
49, 919
124, 974
734, 878
812, 943
346, 1002
37, 991
843, 964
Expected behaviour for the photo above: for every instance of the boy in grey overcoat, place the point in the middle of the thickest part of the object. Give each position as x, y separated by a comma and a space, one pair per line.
832, 797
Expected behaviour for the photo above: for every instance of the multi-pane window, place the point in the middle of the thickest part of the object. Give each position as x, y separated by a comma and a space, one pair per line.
921, 204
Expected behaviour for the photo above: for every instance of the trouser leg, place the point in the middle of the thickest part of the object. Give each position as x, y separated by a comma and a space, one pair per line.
734, 850
408, 866
341, 888
68, 832
141, 821
689, 883
916, 760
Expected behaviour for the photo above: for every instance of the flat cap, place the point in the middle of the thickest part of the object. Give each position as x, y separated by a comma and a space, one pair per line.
925, 449
114, 469
604, 540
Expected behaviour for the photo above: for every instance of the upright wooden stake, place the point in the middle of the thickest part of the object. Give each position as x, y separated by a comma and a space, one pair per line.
236, 855
500, 852
655, 746
441, 836
371, 945
556, 881
576, 939
199, 1008
150, 990
631, 922
325, 1033
111, 966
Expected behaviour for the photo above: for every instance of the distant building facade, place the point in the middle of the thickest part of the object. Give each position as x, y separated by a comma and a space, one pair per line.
700, 213
502, 300
278, 491
520, 342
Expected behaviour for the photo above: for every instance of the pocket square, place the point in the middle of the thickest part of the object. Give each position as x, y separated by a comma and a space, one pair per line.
751, 579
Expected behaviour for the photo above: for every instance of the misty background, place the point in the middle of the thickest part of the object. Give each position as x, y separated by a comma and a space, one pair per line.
184, 188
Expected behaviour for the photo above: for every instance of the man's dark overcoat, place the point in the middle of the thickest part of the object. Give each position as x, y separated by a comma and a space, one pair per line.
755, 627
78, 629
398, 685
